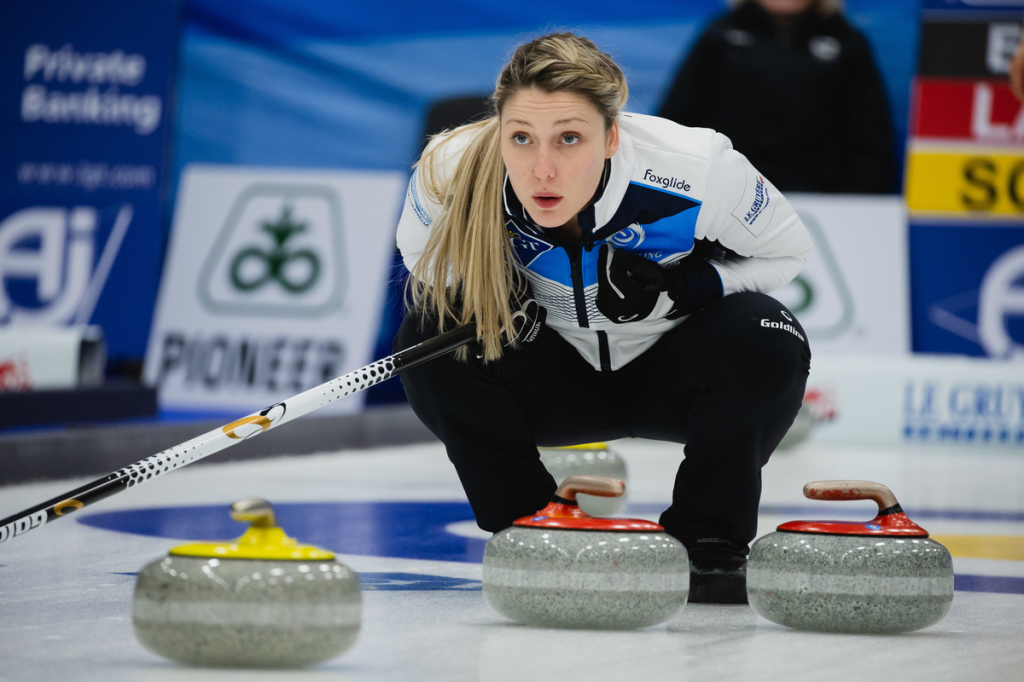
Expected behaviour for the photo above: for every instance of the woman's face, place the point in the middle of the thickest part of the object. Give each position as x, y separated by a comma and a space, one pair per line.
554, 146
786, 7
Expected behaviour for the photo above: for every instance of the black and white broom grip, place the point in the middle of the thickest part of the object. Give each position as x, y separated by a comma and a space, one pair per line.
235, 432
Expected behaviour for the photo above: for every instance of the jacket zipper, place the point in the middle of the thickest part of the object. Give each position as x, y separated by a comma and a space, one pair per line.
575, 254
604, 352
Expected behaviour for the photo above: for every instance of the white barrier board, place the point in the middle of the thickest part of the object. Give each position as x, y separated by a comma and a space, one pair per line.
274, 283
853, 294
930, 400
45, 357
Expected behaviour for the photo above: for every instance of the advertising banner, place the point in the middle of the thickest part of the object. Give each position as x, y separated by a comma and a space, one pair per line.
41, 358
965, 183
852, 295
919, 400
969, 42
959, 109
85, 113
274, 283
968, 289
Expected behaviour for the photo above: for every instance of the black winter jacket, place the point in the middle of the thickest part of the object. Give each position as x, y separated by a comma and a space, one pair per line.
806, 105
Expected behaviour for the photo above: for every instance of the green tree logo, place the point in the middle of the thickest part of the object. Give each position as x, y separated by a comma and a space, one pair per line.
296, 271
280, 252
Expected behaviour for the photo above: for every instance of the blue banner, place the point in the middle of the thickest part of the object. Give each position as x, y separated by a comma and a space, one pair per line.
275, 83
85, 116
967, 288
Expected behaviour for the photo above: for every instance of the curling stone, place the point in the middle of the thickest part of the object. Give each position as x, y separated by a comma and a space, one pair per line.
883, 576
259, 601
589, 459
564, 568
800, 429
817, 407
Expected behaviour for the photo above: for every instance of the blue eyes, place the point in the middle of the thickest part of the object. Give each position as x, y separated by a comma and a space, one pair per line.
569, 139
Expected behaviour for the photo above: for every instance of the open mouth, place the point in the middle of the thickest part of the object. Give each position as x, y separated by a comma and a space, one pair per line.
547, 200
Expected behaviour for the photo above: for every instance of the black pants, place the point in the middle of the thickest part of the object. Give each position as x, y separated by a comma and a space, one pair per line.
723, 383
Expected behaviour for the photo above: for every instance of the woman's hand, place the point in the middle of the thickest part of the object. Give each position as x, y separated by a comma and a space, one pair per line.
527, 322
628, 285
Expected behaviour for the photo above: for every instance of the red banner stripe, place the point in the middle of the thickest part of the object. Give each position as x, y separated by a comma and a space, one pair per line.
981, 110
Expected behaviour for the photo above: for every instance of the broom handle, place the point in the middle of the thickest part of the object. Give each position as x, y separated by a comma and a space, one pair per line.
235, 432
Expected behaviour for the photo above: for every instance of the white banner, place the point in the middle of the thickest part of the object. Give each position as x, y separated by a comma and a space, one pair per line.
274, 283
43, 357
932, 400
853, 296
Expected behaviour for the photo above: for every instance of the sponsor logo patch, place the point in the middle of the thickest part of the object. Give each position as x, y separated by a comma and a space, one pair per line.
668, 183
757, 206
629, 237
765, 322
527, 247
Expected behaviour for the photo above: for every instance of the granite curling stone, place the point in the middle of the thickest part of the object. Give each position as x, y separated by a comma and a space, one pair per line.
564, 568
589, 459
260, 601
800, 429
883, 576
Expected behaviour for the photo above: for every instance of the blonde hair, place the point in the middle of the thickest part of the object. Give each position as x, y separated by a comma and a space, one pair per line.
468, 269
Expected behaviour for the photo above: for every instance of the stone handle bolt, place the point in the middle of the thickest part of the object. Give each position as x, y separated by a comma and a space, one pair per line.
256, 511
599, 486
851, 490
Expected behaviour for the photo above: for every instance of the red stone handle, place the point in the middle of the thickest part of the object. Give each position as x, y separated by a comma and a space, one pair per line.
851, 490
599, 486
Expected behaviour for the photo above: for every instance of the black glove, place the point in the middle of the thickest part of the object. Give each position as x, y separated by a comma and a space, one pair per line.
628, 285
527, 323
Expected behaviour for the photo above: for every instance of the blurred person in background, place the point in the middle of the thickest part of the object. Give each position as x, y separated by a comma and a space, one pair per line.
795, 87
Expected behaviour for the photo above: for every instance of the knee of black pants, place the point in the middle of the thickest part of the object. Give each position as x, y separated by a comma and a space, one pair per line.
774, 360
471, 409
422, 383
782, 352
757, 362
761, 340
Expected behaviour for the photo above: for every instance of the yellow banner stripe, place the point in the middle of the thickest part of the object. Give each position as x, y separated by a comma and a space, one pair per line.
977, 181
1005, 547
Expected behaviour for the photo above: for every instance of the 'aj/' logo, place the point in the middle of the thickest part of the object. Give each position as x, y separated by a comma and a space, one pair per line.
49, 273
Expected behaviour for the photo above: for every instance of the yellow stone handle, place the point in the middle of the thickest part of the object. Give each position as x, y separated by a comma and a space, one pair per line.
851, 490
599, 486
258, 512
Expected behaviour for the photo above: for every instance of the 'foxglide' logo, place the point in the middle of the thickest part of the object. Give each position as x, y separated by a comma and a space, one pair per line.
667, 182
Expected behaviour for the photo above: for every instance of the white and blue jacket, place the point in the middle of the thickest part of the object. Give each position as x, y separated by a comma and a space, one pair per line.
666, 187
